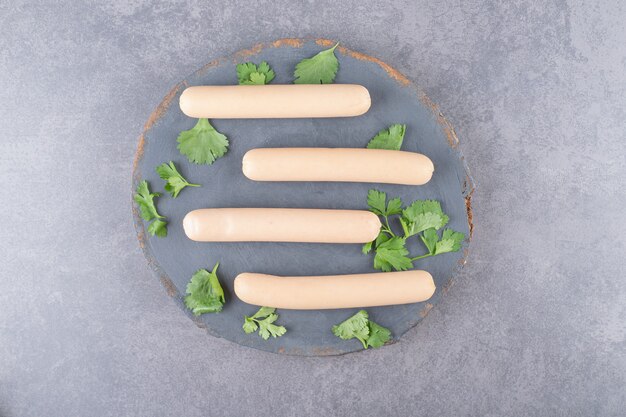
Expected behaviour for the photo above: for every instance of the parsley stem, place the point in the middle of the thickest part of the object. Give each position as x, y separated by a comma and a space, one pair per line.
422, 256
388, 228
193, 185
363, 342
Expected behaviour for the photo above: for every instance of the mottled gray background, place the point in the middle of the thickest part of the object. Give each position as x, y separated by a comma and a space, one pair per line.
535, 324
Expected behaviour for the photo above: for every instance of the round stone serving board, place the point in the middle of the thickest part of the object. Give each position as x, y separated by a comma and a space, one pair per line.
394, 100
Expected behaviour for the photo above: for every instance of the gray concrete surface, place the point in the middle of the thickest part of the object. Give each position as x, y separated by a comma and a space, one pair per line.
534, 326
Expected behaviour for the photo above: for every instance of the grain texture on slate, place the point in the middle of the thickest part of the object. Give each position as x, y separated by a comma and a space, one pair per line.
533, 326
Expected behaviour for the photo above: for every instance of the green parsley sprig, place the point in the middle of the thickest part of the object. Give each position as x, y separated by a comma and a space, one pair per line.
148, 211
421, 218
319, 69
263, 320
174, 181
202, 144
204, 292
390, 138
362, 328
250, 74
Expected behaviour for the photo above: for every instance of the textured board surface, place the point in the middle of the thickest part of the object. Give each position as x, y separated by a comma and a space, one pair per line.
394, 100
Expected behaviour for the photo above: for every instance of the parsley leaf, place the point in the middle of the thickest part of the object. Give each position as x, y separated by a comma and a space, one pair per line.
376, 201
319, 69
145, 199
362, 328
450, 242
422, 215
394, 206
354, 327
249, 74
264, 311
390, 138
204, 292
379, 335
382, 237
174, 181
430, 238
391, 254
249, 325
267, 328
265, 325
158, 228
367, 248
202, 144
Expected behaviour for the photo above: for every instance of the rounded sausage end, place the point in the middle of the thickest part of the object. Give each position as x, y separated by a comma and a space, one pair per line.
364, 99
427, 170
373, 226
428, 286
246, 167
190, 226
243, 287
186, 102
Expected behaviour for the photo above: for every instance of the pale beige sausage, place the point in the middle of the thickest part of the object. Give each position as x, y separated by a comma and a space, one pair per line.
334, 291
275, 101
281, 225
337, 164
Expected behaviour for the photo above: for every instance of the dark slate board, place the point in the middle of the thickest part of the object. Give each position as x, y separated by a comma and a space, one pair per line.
394, 100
